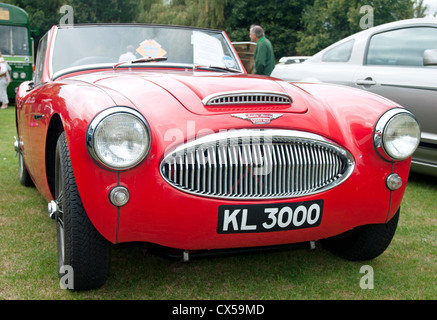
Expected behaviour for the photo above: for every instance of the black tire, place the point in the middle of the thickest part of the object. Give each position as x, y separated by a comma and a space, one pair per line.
363, 243
23, 174
81, 248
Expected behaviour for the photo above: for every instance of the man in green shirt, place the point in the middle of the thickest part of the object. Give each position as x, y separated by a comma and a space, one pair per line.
264, 55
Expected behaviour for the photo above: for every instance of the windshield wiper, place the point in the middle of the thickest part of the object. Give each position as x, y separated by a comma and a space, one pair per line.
195, 67
149, 59
141, 60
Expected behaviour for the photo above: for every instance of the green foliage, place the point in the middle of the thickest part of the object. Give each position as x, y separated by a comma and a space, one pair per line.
203, 14
328, 21
98, 11
293, 26
44, 14
279, 19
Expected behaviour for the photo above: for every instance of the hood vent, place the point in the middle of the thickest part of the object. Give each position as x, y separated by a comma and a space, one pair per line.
247, 98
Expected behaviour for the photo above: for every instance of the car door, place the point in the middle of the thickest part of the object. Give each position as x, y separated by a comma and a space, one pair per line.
31, 119
338, 65
394, 68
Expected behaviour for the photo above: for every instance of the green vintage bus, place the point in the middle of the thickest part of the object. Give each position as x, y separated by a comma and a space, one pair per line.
16, 45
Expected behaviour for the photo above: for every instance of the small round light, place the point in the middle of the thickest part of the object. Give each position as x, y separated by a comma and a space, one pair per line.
394, 181
119, 196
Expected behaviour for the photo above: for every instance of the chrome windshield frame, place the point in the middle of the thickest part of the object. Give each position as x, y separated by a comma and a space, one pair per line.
229, 51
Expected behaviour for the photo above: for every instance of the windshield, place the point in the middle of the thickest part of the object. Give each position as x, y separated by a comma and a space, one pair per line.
14, 41
90, 45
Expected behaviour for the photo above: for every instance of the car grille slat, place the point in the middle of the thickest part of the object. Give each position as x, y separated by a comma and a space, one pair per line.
286, 164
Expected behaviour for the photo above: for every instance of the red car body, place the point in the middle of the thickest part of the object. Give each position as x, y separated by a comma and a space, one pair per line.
171, 99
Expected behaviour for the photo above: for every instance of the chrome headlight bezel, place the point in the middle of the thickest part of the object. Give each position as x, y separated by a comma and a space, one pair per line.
103, 119
387, 131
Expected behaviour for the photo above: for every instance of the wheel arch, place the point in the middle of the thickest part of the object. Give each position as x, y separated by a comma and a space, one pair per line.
55, 129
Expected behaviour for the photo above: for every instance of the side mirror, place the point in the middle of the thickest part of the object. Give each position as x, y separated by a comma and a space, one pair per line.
30, 85
24, 87
430, 57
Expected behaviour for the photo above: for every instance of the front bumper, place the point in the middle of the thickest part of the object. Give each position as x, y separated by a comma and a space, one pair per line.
160, 214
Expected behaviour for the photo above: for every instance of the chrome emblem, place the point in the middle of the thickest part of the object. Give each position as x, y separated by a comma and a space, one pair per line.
258, 118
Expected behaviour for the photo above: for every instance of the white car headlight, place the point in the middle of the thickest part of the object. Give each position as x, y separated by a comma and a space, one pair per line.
397, 135
118, 138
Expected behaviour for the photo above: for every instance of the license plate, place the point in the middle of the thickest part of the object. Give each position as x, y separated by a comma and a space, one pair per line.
269, 217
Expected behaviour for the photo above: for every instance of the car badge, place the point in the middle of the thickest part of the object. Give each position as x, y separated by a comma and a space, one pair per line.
258, 118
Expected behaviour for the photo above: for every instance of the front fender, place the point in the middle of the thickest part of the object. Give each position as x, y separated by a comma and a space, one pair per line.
93, 182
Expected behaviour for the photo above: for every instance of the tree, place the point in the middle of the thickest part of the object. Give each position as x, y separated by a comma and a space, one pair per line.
327, 21
293, 26
44, 14
279, 19
204, 14
103, 11
420, 9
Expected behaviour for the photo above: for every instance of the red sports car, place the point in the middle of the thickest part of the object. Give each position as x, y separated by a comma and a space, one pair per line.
156, 134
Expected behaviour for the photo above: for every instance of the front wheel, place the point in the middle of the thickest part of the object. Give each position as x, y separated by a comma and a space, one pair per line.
23, 174
364, 242
82, 251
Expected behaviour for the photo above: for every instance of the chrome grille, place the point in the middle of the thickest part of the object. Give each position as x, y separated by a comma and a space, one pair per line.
253, 164
247, 97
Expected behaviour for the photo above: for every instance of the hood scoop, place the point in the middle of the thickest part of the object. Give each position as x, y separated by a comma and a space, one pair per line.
249, 98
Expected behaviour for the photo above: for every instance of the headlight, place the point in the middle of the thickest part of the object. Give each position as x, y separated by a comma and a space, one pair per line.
397, 135
118, 138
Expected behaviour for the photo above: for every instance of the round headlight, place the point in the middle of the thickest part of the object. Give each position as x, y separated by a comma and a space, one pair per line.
397, 134
118, 138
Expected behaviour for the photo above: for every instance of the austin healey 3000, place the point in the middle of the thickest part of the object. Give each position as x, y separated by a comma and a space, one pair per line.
156, 134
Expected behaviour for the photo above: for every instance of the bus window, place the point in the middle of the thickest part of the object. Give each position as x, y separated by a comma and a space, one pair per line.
16, 45
14, 41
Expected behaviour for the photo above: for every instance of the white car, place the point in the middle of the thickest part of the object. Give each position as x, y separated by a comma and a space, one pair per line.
396, 60
293, 59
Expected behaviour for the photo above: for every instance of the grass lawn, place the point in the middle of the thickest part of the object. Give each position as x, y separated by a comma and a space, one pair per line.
28, 256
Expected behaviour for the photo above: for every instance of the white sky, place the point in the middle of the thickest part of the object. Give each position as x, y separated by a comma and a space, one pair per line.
432, 6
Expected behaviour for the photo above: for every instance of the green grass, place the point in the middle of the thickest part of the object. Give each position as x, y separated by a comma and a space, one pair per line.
28, 257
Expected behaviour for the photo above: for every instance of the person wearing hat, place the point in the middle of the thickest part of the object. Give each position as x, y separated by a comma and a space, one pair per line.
5, 79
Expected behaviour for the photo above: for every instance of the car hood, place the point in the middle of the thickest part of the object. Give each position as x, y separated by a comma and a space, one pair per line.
190, 88
172, 104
